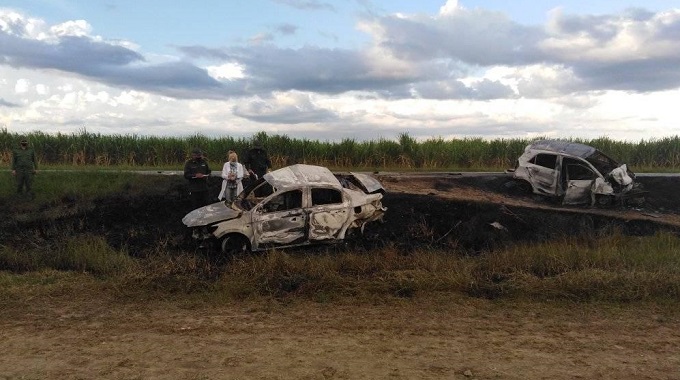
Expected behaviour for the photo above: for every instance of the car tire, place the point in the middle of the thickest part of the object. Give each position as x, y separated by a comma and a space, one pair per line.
234, 246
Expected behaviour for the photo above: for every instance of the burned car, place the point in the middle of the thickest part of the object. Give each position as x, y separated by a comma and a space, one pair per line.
292, 206
574, 173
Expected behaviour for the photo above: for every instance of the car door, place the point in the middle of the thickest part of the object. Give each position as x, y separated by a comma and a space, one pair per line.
542, 169
280, 220
579, 182
328, 213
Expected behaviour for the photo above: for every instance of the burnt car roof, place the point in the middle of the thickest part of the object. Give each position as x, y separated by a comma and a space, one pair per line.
300, 174
560, 146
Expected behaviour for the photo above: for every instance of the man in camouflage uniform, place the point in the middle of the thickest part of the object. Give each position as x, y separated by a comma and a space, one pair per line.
24, 166
197, 171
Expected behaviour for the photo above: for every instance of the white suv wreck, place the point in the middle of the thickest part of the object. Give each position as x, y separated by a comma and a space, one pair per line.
292, 206
575, 174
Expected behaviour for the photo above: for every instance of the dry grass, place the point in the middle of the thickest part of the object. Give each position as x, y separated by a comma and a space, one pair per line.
612, 269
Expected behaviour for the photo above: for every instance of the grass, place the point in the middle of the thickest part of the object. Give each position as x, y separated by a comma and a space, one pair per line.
616, 268
86, 253
81, 185
611, 269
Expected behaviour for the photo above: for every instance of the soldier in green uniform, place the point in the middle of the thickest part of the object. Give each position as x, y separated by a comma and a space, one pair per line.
24, 166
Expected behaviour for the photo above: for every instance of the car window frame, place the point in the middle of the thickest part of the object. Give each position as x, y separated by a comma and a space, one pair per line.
261, 208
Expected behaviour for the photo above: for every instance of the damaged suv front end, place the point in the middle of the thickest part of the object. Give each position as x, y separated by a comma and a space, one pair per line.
575, 173
292, 206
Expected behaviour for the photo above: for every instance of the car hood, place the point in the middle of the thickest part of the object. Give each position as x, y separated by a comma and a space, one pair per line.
370, 184
213, 213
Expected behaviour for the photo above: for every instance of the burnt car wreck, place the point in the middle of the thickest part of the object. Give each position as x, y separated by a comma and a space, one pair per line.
292, 206
575, 174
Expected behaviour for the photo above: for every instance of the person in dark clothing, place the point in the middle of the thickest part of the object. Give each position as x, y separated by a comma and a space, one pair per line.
24, 167
197, 171
257, 161
257, 164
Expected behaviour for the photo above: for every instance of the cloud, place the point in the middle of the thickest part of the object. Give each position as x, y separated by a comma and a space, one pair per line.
458, 72
475, 37
287, 29
426, 56
5, 103
261, 38
288, 108
633, 51
71, 54
27, 44
313, 5
268, 68
484, 89
267, 37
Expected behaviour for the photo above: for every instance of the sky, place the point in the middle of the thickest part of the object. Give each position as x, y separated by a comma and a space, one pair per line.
344, 69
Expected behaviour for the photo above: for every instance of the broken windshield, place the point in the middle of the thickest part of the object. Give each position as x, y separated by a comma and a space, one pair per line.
602, 163
253, 194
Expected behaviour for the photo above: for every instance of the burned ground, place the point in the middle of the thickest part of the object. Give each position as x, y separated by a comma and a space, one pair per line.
477, 214
80, 327
470, 214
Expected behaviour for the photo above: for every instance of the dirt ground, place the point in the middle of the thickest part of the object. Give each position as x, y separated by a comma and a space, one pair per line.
439, 336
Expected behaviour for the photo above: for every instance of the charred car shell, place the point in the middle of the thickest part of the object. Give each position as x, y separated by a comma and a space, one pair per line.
575, 173
292, 206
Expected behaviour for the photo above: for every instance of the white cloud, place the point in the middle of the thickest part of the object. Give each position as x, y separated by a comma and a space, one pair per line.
77, 28
131, 98
450, 7
612, 38
16, 24
456, 73
22, 86
227, 71
41, 89
284, 108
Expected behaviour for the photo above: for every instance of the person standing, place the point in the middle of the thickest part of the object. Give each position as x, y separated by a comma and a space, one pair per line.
257, 161
232, 175
257, 164
24, 167
197, 172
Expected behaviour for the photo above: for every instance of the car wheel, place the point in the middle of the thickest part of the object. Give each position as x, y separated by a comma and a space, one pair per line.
234, 246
